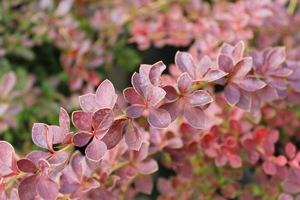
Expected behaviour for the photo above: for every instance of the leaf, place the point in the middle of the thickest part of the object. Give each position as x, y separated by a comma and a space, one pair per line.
57, 133
184, 83
225, 63
250, 83
105, 95
58, 162
144, 184
141, 84
198, 98
114, 135
242, 67
8, 84
172, 108
147, 166
47, 189
82, 120
171, 93
235, 161
238, 51
195, 116
64, 121
269, 167
41, 136
155, 95
132, 96
145, 70
232, 94
159, 118
244, 101
102, 120
80, 139
88, 103
290, 150
36, 155
268, 93
184, 62
133, 137
95, 150
276, 57
142, 153
135, 111
27, 188
213, 75
203, 67
26, 165
155, 73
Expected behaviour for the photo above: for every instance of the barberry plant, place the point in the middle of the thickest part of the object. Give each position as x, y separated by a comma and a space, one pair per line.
211, 139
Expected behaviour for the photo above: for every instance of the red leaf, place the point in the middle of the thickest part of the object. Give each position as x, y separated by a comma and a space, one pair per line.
95, 150
195, 116
184, 62
133, 137
105, 95
102, 120
159, 118
171, 93
26, 165
132, 96
235, 161
281, 160
82, 120
184, 83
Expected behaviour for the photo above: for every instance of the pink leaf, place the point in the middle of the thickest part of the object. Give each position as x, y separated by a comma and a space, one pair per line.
281, 160
285, 197
102, 120
198, 98
184, 83
80, 139
135, 111
105, 95
142, 153
92, 164
82, 120
172, 108
291, 187
41, 136
155, 95
195, 116
232, 94
26, 165
47, 189
88, 103
225, 63
203, 67
276, 57
171, 93
213, 75
238, 51
268, 93
155, 73
144, 184
95, 150
133, 137
27, 187
147, 166
8, 84
132, 96
184, 62
221, 160
235, 161
244, 101
242, 67
269, 167
57, 133
255, 103
114, 135
145, 70
250, 83
290, 150
159, 118
58, 161
64, 121
141, 84
35, 156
